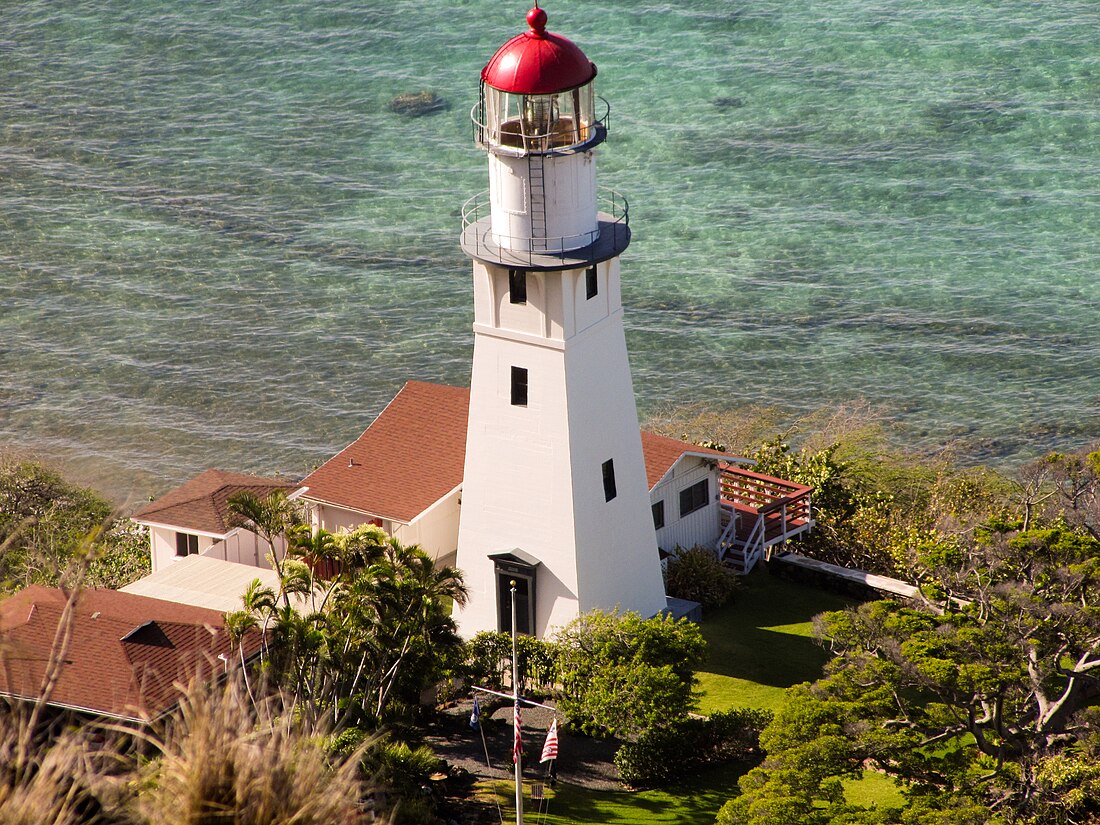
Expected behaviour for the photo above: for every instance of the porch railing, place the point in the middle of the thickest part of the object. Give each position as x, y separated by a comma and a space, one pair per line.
759, 512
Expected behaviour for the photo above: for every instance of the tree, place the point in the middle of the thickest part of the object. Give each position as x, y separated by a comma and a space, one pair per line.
976, 705
273, 518
360, 644
622, 674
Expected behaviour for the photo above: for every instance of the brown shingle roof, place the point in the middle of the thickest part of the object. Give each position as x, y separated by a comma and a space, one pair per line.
200, 504
413, 455
661, 452
126, 655
407, 459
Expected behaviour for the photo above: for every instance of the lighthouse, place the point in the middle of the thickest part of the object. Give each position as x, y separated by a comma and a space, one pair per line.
554, 492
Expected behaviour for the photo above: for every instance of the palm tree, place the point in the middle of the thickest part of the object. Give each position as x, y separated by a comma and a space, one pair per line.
269, 518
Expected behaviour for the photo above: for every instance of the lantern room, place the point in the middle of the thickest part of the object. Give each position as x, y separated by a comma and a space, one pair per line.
539, 121
537, 95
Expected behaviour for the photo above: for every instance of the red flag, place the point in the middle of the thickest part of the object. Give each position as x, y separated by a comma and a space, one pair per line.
517, 744
550, 749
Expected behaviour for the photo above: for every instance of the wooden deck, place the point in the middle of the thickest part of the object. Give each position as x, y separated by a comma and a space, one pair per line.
759, 512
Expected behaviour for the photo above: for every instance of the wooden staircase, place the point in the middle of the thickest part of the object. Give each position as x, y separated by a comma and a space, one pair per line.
759, 512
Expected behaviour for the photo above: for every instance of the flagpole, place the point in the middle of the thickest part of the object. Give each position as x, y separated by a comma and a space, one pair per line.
515, 714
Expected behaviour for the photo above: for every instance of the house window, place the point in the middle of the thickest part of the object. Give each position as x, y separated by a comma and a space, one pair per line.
694, 497
658, 515
591, 285
186, 544
608, 480
517, 286
519, 387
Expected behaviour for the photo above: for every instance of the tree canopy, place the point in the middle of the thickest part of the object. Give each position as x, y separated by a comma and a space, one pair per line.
979, 699
361, 642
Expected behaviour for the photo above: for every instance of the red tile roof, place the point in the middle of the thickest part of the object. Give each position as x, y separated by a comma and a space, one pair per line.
413, 454
407, 459
201, 503
126, 656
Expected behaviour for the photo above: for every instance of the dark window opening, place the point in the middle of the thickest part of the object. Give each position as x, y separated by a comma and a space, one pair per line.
658, 515
608, 480
517, 286
591, 285
519, 387
186, 544
694, 497
525, 603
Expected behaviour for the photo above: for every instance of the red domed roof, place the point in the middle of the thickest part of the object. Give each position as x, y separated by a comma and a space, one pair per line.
538, 62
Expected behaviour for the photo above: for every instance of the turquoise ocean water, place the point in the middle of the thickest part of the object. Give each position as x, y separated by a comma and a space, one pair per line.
219, 247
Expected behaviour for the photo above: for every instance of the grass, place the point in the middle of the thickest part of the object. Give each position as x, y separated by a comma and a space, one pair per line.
694, 803
873, 789
760, 644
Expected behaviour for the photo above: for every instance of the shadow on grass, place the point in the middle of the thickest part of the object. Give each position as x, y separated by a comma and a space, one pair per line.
764, 635
691, 803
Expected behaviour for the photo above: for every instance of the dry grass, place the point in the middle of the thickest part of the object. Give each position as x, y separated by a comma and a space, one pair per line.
227, 760
46, 785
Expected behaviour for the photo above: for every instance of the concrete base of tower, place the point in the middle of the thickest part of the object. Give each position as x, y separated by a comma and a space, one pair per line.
684, 609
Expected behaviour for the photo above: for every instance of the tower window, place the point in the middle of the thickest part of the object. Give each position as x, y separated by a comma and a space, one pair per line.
517, 286
591, 285
519, 387
694, 497
186, 544
609, 480
658, 515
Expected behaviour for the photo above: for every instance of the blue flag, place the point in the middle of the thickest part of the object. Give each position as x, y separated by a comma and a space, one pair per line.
475, 715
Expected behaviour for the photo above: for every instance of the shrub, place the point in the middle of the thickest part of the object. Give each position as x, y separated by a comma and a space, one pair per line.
223, 759
622, 674
663, 755
489, 661
48, 525
697, 575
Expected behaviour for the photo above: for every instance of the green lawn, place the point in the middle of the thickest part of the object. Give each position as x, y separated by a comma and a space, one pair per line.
694, 803
760, 644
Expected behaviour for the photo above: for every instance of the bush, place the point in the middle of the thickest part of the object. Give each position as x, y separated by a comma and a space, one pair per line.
663, 755
697, 575
47, 526
489, 661
622, 674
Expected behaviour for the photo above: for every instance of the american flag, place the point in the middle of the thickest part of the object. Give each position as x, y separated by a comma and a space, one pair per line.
550, 749
517, 744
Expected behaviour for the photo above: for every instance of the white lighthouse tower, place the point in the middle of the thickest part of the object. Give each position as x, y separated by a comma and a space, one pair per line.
554, 493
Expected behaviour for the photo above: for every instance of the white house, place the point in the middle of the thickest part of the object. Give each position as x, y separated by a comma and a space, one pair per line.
193, 519
404, 473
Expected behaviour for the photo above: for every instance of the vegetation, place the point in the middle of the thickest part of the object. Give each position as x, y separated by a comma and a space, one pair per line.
622, 675
360, 644
489, 662
48, 525
220, 759
225, 758
697, 575
976, 707
692, 802
663, 755
979, 700
763, 643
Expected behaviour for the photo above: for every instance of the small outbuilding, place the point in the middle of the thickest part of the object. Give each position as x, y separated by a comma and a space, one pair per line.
194, 519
